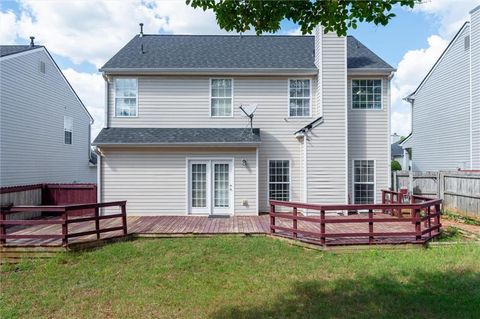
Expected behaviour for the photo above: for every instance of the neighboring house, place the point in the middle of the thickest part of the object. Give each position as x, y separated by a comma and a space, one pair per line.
446, 106
176, 142
396, 151
44, 127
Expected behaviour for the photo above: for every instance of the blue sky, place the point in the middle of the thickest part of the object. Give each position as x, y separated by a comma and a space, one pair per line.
82, 35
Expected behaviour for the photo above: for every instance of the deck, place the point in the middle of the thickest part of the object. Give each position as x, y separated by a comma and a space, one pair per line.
165, 226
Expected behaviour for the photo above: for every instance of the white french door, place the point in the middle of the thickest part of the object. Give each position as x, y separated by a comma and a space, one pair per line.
210, 186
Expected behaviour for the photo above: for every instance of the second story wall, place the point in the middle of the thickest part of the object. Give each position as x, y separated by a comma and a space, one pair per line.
475, 74
32, 109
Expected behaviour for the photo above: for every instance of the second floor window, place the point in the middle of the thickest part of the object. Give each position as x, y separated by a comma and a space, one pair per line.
367, 94
221, 97
126, 91
299, 98
67, 130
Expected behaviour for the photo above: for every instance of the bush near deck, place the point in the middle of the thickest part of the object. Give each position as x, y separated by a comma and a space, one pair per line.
250, 277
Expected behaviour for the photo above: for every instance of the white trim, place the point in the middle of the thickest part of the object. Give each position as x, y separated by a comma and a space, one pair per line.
210, 71
374, 178
471, 97
105, 120
305, 169
99, 178
289, 177
346, 119
389, 147
115, 98
210, 98
309, 102
366, 79
257, 181
209, 160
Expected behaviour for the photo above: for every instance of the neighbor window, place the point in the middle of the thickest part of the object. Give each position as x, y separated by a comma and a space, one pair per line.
221, 97
126, 92
68, 129
364, 181
279, 180
299, 98
367, 94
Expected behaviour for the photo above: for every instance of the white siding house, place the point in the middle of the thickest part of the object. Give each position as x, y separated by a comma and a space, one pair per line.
44, 127
176, 142
446, 107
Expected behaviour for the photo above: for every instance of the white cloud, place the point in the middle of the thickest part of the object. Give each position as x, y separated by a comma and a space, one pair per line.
90, 88
411, 70
93, 31
450, 14
8, 32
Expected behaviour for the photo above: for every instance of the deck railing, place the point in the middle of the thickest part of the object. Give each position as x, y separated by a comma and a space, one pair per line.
419, 209
63, 219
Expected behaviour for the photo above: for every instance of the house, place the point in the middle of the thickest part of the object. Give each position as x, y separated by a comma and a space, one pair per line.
396, 152
44, 127
176, 140
446, 107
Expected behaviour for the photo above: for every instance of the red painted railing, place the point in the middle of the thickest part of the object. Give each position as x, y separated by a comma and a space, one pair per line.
64, 219
419, 209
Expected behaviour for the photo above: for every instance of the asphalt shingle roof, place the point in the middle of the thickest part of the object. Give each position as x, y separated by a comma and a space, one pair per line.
396, 149
232, 52
172, 136
13, 49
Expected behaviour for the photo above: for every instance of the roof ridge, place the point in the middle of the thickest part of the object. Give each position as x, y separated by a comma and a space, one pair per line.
227, 35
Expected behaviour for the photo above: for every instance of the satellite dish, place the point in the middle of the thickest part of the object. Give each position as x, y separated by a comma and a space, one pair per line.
249, 111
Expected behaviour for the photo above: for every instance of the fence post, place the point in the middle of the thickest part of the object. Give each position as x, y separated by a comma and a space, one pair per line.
124, 218
295, 214
97, 222
418, 227
3, 232
322, 227
65, 227
272, 218
370, 226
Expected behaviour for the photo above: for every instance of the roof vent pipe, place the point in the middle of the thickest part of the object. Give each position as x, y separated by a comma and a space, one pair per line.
32, 44
141, 29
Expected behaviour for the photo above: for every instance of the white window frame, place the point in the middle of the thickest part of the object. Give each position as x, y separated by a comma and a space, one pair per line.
65, 129
211, 98
289, 177
115, 97
374, 178
310, 99
381, 94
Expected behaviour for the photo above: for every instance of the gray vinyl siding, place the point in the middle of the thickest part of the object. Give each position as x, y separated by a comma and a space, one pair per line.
369, 138
441, 113
326, 146
33, 106
183, 101
153, 181
475, 64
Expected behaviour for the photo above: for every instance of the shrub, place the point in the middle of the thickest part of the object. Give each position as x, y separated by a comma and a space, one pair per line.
396, 166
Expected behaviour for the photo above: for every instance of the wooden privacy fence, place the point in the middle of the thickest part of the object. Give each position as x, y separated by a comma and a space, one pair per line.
460, 190
63, 217
421, 225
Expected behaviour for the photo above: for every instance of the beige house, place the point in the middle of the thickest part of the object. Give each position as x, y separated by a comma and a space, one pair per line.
178, 139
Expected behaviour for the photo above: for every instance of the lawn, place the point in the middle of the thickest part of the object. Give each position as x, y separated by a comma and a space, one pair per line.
244, 277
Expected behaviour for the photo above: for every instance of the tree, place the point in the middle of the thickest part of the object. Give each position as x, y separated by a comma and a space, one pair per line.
396, 166
266, 16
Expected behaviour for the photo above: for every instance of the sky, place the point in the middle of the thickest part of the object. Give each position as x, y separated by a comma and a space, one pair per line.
82, 35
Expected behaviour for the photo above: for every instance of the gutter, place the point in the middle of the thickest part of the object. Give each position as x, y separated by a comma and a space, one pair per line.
186, 144
304, 130
207, 71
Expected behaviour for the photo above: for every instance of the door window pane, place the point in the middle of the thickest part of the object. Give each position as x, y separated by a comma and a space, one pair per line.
221, 185
199, 185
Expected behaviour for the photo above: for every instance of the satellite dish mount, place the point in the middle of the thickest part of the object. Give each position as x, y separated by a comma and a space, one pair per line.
249, 111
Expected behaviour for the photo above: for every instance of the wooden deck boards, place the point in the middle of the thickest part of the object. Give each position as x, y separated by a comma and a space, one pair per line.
202, 225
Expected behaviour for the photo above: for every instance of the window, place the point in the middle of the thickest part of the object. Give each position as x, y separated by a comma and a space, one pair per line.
367, 94
68, 129
364, 181
279, 180
126, 97
299, 98
221, 97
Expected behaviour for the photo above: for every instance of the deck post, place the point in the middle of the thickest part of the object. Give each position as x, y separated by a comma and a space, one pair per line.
429, 224
3, 232
438, 211
97, 222
322, 227
295, 214
418, 224
272, 218
65, 227
124, 218
383, 200
370, 226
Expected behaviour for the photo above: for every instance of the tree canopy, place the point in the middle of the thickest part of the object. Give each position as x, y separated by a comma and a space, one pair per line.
266, 15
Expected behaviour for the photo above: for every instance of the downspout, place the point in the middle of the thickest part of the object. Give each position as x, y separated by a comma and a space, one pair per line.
99, 175
107, 97
389, 129
471, 100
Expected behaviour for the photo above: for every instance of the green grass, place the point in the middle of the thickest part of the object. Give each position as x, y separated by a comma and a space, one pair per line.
244, 277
